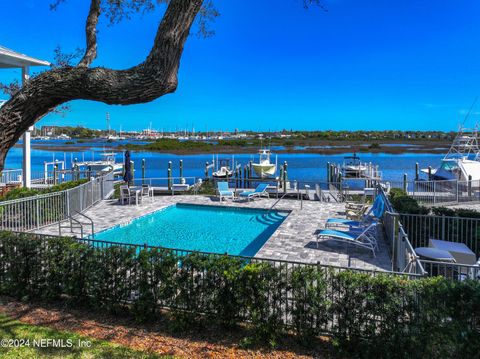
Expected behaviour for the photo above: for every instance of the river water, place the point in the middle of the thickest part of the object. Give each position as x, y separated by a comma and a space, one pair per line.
301, 167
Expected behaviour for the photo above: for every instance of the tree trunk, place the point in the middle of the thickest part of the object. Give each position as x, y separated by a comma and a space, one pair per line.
153, 78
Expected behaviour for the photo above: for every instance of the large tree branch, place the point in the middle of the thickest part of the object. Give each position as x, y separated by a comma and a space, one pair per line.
153, 78
91, 34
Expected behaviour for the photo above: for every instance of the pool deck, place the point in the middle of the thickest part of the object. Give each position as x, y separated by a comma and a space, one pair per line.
294, 240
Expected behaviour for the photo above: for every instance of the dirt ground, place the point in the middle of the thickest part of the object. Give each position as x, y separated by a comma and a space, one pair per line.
206, 343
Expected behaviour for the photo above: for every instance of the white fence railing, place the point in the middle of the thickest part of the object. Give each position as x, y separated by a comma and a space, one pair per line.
404, 258
422, 228
440, 192
34, 212
405, 232
43, 178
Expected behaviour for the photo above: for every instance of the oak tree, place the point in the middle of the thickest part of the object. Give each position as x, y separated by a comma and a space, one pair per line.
145, 82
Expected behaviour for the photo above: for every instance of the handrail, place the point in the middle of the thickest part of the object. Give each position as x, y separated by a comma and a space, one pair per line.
71, 219
91, 222
276, 202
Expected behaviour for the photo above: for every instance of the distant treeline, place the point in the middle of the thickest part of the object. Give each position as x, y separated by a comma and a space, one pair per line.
281, 137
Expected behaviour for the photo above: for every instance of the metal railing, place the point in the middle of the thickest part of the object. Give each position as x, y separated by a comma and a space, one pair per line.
408, 231
440, 192
30, 213
40, 179
275, 262
454, 271
201, 277
422, 228
324, 191
274, 204
404, 258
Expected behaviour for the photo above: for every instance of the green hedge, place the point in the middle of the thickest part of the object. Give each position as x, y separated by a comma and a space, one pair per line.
366, 316
29, 192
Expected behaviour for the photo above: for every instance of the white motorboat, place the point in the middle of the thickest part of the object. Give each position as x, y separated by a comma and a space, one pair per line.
353, 168
462, 162
106, 164
224, 170
264, 168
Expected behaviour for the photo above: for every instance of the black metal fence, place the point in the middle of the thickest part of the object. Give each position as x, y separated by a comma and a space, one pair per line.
269, 296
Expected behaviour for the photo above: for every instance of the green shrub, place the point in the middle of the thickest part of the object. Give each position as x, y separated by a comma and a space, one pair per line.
396, 192
406, 204
17, 193
262, 291
366, 316
311, 302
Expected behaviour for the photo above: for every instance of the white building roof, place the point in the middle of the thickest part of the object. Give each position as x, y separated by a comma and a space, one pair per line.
13, 59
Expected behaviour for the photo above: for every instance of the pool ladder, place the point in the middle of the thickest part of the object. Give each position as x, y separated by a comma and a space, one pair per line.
76, 224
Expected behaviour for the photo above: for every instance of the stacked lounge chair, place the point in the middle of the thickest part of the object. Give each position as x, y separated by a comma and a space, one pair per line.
362, 233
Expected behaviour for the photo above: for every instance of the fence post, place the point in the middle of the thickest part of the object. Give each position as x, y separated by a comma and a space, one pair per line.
416, 171
434, 192
405, 184
102, 185
169, 175
55, 170
328, 172
443, 228
457, 190
182, 180
38, 213
469, 186
68, 202
206, 170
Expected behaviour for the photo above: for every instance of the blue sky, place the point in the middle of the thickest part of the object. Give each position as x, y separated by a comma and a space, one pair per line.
374, 64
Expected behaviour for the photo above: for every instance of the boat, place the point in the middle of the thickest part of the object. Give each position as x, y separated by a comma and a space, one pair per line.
224, 170
462, 162
353, 167
105, 164
264, 168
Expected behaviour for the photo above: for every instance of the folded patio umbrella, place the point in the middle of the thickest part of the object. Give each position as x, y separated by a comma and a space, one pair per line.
127, 176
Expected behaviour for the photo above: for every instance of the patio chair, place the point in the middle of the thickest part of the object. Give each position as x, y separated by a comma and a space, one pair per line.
367, 238
372, 216
224, 191
260, 191
147, 191
126, 195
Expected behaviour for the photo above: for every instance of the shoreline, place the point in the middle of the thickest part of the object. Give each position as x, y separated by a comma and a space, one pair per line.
306, 147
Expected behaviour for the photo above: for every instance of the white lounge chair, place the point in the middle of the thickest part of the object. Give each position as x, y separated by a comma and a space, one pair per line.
224, 191
366, 238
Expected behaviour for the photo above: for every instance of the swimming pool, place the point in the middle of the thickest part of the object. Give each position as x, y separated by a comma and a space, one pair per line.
216, 229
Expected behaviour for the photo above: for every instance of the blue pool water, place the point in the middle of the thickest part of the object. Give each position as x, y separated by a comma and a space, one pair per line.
236, 231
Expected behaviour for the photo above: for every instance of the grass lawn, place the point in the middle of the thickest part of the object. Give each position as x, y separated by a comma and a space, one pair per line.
13, 329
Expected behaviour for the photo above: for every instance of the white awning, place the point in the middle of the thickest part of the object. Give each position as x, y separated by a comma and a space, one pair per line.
13, 59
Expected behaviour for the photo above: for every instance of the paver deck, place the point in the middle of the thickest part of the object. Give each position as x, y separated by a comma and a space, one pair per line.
294, 240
